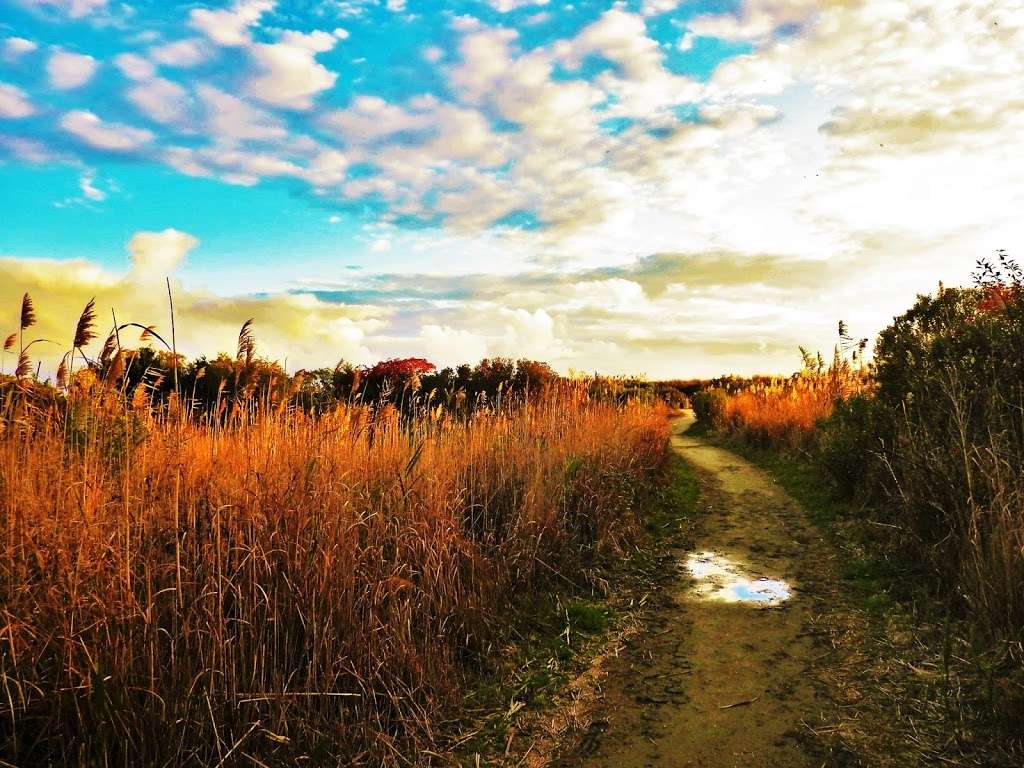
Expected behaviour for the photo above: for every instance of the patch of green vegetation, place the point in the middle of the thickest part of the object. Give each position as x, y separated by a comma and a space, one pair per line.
558, 633
674, 501
587, 617
866, 574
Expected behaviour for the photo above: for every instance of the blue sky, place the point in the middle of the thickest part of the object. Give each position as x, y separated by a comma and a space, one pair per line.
320, 162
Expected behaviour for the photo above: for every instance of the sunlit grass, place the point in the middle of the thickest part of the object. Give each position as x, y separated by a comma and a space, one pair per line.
181, 591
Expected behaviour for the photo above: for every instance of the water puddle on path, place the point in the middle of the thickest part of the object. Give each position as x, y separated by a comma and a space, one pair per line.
719, 578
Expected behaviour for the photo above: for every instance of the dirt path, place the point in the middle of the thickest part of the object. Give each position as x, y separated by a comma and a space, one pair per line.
719, 682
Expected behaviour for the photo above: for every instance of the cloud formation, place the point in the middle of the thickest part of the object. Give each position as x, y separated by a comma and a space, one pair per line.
14, 103
630, 182
300, 328
70, 70
115, 137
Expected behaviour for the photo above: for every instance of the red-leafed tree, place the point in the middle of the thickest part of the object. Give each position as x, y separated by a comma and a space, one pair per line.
394, 378
398, 369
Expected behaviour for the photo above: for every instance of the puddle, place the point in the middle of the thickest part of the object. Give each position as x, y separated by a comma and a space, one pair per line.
718, 578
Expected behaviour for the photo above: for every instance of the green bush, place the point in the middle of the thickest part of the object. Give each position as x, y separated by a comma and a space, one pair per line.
943, 443
709, 405
850, 445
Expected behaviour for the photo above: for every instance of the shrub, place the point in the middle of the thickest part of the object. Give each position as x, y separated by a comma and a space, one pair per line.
709, 405
950, 375
850, 443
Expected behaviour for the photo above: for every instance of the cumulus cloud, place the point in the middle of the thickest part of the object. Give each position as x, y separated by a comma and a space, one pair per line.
658, 7
159, 253
643, 86
92, 130
305, 330
289, 74
14, 103
757, 19
505, 6
70, 70
161, 100
447, 346
16, 47
181, 53
230, 27
135, 67
76, 9
230, 118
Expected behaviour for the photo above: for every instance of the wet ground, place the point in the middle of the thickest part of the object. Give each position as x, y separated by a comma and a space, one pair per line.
723, 676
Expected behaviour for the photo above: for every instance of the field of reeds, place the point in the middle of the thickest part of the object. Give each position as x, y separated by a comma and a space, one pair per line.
187, 583
782, 411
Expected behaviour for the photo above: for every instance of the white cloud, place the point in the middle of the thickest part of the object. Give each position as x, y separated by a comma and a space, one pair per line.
380, 245
756, 19
658, 7
289, 74
370, 118
14, 103
159, 253
185, 53
230, 27
70, 70
90, 129
443, 345
87, 184
76, 9
643, 87
230, 118
16, 47
160, 100
506, 6
27, 150
135, 67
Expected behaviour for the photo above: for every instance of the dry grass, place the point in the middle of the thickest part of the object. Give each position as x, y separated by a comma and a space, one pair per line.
784, 412
283, 588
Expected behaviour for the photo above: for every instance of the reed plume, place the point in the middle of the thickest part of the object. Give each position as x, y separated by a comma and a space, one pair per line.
28, 312
84, 332
246, 343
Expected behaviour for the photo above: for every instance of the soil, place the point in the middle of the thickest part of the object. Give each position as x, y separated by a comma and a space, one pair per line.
716, 682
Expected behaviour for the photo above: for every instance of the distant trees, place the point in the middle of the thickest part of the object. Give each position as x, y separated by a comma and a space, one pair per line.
154, 373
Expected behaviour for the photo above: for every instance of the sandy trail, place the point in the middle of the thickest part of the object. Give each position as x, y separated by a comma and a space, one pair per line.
719, 684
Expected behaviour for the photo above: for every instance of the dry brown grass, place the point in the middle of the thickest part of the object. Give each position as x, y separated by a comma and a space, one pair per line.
784, 412
285, 588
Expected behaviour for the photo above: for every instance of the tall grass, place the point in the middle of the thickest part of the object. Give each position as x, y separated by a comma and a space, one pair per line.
284, 589
783, 412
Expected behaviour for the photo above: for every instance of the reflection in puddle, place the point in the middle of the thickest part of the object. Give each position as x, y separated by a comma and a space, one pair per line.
718, 578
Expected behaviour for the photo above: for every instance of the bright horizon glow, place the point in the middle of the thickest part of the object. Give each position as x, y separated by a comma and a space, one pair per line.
660, 187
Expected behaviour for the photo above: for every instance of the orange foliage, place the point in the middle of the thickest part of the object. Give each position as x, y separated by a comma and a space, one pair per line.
294, 585
783, 412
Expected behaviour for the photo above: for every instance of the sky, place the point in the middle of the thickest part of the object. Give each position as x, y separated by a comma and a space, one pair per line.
659, 187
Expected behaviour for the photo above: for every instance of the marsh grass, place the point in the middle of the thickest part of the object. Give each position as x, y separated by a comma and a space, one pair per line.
275, 587
783, 412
